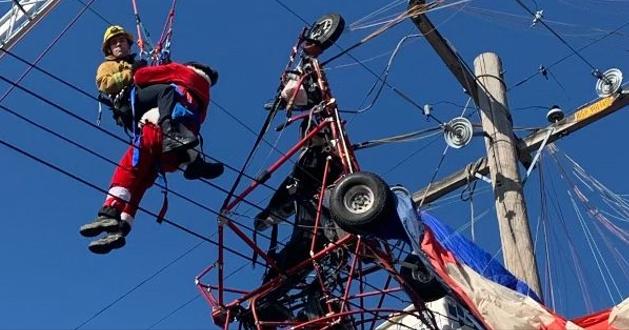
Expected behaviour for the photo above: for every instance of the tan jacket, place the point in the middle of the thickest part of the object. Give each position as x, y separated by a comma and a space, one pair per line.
114, 74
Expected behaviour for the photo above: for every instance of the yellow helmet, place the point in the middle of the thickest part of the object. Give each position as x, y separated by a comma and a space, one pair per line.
112, 31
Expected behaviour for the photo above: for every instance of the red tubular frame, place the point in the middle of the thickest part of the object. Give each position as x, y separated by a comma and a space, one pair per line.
254, 183
223, 313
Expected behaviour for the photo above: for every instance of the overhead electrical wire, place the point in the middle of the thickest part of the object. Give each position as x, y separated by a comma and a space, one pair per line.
357, 24
95, 187
96, 13
595, 70
137, 286
389, 52
393, 88
99, 156
525, 80
383, 76
70, 113
418, 9
87, 94
174, 311
74, 143
49, 47
411, 155
566, 29
83, 181
68, 84
32, 65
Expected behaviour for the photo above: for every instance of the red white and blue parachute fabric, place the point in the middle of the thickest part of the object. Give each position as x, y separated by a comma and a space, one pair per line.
496, 297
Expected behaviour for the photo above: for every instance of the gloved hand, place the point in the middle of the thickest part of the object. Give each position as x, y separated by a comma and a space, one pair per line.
105, 99
138, 64
123, 117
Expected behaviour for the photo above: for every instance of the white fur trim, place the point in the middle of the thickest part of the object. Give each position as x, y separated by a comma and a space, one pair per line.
124, 216
119, 192
201, 73
289, 90
151, 116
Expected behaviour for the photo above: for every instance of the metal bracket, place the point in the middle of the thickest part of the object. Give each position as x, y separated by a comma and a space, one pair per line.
482, 177
538, 153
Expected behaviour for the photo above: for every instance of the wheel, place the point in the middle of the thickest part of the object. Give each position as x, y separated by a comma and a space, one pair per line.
360, 202
327, 30
415, 272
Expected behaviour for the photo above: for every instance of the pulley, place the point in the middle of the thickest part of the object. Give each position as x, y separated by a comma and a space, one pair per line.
458, 132
609, 83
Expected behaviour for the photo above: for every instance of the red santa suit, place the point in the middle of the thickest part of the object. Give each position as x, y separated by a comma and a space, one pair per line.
129, 183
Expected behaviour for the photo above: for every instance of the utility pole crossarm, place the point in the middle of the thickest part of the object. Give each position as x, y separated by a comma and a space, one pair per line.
452, 182
585, 115
446, 52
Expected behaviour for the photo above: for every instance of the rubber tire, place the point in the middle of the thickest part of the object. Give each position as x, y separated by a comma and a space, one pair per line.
367, 222
429, 289
324, 35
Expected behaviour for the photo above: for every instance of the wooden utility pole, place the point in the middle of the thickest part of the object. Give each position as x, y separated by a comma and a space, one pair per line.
501, 145
487, 90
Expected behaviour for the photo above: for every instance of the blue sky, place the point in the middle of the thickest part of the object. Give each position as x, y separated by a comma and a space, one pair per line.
50, 280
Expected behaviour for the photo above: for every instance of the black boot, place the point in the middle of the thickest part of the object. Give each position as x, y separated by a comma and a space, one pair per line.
177, 136
108, 220
201, 169
114, 240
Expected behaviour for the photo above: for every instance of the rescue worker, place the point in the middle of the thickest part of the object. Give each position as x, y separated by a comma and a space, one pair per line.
114, 79
190, 85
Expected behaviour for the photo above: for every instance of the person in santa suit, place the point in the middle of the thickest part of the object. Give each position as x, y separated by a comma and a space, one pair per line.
167, 105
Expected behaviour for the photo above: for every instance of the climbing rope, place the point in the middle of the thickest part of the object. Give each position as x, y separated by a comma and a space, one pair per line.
160, 53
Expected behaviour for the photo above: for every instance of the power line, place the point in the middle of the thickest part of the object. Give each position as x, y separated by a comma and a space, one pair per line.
595, 71
95, 187
71, 114
96, 13
173, 312
48, 48
97, 155
115, 164
570, 55
87, 94
386, 83
16, 85
85, 182
34, 65
137, 286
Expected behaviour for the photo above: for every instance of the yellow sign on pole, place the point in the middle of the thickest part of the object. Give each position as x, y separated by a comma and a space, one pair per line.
594, 108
